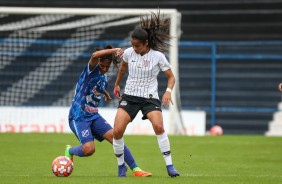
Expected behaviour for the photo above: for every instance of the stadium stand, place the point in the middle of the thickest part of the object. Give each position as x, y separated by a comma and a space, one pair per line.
246, 89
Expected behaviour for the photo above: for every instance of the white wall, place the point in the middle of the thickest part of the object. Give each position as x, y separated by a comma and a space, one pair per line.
55, 119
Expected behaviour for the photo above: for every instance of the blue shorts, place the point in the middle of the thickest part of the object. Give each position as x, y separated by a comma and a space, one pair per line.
87, 131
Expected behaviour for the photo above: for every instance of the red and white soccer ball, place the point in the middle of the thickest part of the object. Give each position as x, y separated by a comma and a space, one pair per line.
216, 130
62, 166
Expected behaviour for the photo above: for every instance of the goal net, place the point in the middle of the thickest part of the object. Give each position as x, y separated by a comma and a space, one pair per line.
44, 50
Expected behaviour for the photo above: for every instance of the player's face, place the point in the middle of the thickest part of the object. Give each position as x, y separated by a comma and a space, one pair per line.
104, 66
140, 47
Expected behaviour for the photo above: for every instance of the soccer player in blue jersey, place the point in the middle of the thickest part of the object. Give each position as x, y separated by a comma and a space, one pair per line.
84, 120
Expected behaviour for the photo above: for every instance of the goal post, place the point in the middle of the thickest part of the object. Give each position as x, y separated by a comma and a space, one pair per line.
37, 24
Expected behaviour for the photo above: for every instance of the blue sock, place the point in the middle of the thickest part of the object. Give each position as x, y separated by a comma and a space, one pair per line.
128, 158
76, 150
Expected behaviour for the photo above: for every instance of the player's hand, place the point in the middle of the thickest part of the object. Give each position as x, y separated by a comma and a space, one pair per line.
119, 53
166, 100
280, 87
117, 91
107, 97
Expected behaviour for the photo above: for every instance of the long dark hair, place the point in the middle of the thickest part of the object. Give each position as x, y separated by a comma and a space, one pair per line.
154, 29
110, 57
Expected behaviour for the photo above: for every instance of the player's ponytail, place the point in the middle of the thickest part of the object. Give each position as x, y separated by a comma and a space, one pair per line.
154, 29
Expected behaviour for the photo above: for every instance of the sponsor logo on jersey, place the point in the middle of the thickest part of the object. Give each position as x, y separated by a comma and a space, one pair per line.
139, 65
90, 109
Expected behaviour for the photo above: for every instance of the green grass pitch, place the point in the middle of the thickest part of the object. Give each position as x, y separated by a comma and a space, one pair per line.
27, 158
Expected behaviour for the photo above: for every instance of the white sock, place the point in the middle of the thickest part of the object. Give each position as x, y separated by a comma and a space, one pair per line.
164, 146
118, 146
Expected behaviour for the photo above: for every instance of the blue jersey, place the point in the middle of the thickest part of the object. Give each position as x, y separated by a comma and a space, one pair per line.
88, 93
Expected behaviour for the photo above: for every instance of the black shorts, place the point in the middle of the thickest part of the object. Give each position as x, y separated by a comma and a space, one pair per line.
132, 105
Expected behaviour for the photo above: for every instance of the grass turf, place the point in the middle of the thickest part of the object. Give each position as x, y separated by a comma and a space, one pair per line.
27, 158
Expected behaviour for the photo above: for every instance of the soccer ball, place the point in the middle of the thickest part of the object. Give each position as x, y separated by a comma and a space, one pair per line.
62, 166
216, 130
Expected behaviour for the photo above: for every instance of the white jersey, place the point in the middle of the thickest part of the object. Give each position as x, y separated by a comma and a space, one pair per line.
143, 71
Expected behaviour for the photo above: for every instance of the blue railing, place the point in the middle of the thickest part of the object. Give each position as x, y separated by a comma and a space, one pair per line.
214, 56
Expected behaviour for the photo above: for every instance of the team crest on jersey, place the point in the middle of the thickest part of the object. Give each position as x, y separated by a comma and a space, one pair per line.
146, 63
84, 133
123, 103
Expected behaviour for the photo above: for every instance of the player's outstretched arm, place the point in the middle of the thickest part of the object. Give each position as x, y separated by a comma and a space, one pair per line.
97, 54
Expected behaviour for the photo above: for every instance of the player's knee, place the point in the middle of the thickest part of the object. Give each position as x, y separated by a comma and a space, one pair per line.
117, 134
159, 129
88, 151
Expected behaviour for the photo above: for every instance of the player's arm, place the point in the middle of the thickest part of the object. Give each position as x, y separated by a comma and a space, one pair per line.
107, 96
97, 54
170, 83
123, 68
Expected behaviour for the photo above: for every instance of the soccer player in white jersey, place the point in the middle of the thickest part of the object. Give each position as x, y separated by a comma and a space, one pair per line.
84, 119
144, 60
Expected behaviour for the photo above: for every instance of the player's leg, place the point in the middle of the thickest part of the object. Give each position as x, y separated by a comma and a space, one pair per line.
101, 130
127, 110
83, 132
152, 111
87, 149
121, 120
128, 157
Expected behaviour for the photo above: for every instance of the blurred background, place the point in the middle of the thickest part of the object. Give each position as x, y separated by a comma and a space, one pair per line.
230, 57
